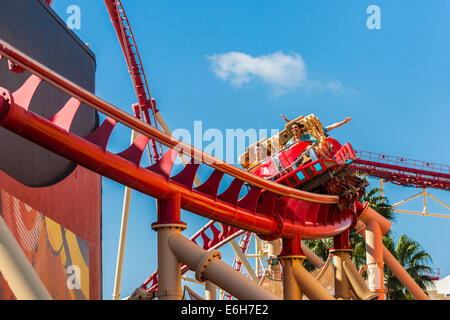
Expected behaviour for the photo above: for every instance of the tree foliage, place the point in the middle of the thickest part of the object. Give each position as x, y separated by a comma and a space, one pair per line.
409, 253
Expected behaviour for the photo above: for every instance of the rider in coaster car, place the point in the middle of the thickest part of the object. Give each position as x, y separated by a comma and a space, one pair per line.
328, 128
298, 130
259, 154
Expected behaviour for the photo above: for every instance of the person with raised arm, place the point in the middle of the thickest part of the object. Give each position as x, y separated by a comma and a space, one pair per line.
298, 131
328, 128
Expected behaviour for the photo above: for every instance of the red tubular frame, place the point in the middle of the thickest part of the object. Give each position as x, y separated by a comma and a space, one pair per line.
56, 139
294, 212
128, 120
136, 70
152, 181
45, 133
403, 171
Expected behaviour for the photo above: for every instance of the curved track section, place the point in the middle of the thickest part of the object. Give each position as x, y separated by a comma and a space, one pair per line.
268, 209
117, 115
264, 212
135, 67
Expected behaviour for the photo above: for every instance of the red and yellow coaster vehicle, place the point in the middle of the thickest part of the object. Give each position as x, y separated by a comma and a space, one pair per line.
290, 164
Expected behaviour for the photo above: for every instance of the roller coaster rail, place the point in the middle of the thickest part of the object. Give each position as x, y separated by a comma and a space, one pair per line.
403, 171
316, 216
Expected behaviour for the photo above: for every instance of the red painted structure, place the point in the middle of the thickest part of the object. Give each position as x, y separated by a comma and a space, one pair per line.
403, 171
81, 208
51, 206
270, 210
250, 212
237, 263
433, 274
135, 67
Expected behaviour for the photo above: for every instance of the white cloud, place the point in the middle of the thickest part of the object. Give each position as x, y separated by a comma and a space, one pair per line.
333, 85
280, 71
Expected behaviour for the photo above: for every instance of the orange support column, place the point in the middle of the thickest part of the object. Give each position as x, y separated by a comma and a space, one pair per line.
169, 268
290, 257
208, 267
374, 258
396, 268
341, 250
376, 227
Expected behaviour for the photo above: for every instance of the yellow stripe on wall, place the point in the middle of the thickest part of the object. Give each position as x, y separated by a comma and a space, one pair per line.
78, 260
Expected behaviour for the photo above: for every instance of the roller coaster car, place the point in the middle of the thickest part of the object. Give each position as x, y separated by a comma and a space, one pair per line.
290, 165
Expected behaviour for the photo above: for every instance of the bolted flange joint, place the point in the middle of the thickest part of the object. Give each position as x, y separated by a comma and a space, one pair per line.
178, 224
6, 100
334, 250
12, 66
204, 262
278, 230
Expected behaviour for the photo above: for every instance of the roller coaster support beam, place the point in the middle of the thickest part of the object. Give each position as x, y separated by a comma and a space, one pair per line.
403, 276
376, 227
123, 234
346, 275
291, 256
208, 266
258, 256
397, 268
210, 291
309, 285
424, 212
296, 279
273, 250
341, 251
169, 267
312, 257
241, 256
18, 272
381, 189
366, 214
374, 258
356, 281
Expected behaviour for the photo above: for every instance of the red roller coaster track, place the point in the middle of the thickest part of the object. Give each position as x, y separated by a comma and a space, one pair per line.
268, 209
130, 50
403, 171
393, 169
254, 212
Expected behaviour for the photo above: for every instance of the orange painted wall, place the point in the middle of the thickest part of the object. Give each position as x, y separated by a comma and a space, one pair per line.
58, 227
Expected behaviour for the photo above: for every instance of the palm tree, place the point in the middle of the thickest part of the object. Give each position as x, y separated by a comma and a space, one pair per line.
408, 252
414, 260
321, 247
379, 203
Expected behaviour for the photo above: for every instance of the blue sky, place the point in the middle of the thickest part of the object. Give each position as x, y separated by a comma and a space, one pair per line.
394, 82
